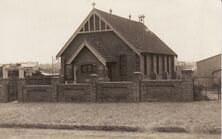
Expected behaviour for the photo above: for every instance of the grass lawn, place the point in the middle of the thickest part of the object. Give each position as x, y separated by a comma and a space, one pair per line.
196, 117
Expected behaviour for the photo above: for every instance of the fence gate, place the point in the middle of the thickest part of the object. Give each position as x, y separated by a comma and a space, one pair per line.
12, 89
207, 88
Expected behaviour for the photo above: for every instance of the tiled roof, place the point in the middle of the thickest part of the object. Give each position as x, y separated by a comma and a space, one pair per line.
98, 45
137, 34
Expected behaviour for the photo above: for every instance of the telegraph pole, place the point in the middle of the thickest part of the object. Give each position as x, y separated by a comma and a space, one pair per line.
52, 65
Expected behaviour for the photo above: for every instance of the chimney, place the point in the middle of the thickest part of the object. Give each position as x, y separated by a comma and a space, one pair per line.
110, 11
141, 18
129, 16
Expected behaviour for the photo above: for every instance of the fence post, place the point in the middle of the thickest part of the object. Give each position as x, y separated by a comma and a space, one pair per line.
21, 83
54, 82
21, 73
5, 73
137, 78
93, 81
188, 79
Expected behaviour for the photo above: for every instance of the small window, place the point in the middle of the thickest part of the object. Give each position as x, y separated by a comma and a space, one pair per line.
152, 63
123, 65
89, 68
69, 72
163, 59
157, 64
137, 63
168, 64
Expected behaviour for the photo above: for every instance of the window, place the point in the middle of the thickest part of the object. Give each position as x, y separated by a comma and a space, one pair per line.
163, 59
69, 72
13, 73
123, 65
173, 64
157, 64
168, 64
137, 63
89, 68
145, 65
152, 63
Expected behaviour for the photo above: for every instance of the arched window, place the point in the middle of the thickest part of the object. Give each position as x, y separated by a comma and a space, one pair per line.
89, 68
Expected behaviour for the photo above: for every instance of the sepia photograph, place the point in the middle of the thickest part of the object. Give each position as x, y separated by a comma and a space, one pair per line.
110, 69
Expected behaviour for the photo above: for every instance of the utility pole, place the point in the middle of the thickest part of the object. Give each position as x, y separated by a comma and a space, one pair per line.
52, 65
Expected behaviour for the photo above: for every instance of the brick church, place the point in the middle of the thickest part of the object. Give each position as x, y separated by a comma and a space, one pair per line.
114, 47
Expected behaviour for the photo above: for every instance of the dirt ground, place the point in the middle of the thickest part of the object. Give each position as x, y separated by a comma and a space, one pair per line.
14, 133
196, 117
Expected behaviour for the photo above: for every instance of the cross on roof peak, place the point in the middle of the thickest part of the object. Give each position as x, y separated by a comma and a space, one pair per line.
93, 4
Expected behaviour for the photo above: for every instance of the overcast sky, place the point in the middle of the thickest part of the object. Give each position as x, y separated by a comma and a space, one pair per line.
35, 30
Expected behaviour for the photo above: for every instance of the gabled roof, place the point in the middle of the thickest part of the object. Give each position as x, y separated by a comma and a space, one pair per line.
134, 34
137, 34
96, 48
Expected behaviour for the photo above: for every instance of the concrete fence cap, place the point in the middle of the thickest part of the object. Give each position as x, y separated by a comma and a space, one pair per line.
93, 75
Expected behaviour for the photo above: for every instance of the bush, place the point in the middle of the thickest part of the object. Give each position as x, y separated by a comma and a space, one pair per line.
198, 93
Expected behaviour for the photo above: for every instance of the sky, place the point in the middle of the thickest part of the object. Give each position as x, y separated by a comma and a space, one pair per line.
35, 30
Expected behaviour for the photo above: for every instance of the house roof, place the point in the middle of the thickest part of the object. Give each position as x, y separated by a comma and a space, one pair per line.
137, 34
99, 46
215, 56
134, 33
96, 48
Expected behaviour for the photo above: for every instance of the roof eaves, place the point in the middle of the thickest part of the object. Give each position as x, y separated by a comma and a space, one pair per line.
74, 35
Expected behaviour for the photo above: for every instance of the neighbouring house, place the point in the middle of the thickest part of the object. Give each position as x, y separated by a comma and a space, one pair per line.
13, 69
210, 67
29, 68
114, 47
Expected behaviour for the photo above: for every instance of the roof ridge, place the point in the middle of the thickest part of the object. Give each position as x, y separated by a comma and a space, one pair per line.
120, 17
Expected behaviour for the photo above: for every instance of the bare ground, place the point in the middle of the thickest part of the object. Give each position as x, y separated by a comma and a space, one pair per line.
15, 133
194, 117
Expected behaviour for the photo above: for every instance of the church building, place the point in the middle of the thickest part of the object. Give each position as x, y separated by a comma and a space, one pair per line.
114, 47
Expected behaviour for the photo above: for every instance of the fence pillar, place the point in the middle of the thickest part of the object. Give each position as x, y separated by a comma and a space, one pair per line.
137, 78
4, 90
54, 82
21, 73
187, 77
5, 73
93, 81
21, 83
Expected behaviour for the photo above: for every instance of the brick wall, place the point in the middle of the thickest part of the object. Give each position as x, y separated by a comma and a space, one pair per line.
114, 91
73, 93
166, 90
3, 90
3, 93
38, 93
135, 91
38, 80
170, 90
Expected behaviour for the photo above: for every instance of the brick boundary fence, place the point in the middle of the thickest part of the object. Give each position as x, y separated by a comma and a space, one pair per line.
96, 91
